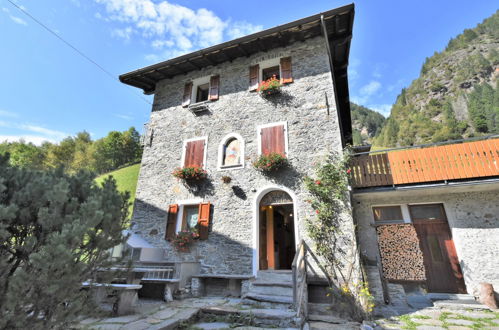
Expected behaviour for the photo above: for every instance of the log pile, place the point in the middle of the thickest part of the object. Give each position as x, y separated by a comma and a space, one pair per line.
401, 256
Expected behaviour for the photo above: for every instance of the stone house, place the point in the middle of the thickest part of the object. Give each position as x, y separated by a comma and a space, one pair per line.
428, 219
207, 113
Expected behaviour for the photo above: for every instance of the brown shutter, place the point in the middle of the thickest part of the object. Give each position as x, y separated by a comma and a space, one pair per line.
286, 74
204, 220
254, 78
194, 153
214, 87
272, 139
186, 100
171, 222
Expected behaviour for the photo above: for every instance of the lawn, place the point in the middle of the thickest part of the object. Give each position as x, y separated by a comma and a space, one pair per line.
126, 178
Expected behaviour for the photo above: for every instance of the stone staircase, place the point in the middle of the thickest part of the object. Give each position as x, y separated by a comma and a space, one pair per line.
271, 287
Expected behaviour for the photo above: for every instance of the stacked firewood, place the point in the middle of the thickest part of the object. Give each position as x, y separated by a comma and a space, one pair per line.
401, 255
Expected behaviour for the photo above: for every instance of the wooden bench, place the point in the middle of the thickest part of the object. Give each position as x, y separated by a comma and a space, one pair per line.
127, 295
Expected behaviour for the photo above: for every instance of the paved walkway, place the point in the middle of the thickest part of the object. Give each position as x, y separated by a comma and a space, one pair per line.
180, 314
442, 318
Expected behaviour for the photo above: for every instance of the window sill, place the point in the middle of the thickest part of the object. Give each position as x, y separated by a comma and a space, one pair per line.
395, 222
199, 107
230, 167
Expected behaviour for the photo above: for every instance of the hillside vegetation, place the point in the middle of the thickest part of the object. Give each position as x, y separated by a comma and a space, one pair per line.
456, 95
366, 124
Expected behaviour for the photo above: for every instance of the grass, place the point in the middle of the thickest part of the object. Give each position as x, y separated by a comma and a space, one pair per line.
126, 178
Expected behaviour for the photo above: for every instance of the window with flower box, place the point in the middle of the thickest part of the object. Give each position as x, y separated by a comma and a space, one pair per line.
281, 68
194, 153
200, 90
194, 217
273, 138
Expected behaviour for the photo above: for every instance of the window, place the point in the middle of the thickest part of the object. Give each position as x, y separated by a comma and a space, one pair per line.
193, 216
388, 214
201, 90
280, 67
427, 212
194, 152
273, 138
231, 152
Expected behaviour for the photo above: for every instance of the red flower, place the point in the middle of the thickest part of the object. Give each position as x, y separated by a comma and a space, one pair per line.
348, 171
317, 211
318, 182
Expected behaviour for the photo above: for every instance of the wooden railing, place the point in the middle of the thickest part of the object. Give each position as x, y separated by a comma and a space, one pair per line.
467, 160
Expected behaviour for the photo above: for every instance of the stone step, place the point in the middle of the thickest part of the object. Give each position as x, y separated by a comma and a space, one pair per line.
270, 298
320, 309
275, 276
460, 304
329, 326
261, 316
326, 318
272, 288
449, 296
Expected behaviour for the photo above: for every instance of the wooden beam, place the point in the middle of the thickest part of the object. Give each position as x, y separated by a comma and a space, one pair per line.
261, 45
205, 57
197, 67
270, 237
242, 50
147, 79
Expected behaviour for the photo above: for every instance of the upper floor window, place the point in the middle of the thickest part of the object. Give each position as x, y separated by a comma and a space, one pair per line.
388, 213
231, 152
278, 67
273, 138
192, 216
194, 152
200, 90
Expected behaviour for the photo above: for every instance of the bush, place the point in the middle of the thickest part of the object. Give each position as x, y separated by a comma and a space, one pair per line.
270, 162
190, 173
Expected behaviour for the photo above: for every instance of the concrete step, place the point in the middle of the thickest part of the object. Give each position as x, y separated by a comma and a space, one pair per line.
270, 298
275, 276
272, 288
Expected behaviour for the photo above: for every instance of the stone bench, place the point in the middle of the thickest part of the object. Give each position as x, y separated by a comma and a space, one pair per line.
170, 286
127, 295
219, 285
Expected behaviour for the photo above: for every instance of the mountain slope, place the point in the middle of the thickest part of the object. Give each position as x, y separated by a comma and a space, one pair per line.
366, 124
455, 96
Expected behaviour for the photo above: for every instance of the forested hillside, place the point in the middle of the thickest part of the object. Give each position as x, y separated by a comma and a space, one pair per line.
78, 153
366, 124
456, 95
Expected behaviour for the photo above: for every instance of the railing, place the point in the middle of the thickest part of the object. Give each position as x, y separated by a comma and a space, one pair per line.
300, 266
467, 160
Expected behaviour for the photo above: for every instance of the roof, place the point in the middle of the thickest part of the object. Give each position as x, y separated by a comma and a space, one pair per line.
336, 24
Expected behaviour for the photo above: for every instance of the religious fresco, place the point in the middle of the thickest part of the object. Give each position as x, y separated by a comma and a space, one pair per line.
232, 153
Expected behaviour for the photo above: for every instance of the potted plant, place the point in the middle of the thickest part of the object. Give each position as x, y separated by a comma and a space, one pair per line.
184, 239
270, 162
270, 86
226, 179
190, 173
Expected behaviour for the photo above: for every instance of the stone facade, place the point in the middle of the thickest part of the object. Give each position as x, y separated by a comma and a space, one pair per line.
307, 106
473, 215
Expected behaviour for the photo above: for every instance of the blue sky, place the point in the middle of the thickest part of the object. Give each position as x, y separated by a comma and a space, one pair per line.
48, 92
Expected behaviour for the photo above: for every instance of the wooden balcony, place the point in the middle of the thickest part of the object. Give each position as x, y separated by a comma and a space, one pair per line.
467, 160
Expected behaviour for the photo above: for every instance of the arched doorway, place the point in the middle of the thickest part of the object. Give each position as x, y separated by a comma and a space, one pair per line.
276, 231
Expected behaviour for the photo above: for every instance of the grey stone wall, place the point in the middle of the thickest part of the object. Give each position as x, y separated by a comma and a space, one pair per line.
473, 215
312, 131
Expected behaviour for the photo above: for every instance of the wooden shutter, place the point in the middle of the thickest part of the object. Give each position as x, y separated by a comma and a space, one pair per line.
214, 88
286, 74
186, 100
204, 220
194, 153
272, 140
254, 77
171, 222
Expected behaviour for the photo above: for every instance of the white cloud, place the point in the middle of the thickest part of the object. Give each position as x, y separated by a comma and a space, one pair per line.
125, 117
125, 33
371, 88
172, 27
15, 19
45, 133
58, 135
4, 113
383, 109
35, 139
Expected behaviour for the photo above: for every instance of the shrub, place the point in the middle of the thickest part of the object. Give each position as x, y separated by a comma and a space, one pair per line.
188, 173
270, 162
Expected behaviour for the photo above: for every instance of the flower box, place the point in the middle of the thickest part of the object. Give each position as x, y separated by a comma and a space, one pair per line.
269, 87
270, 162
184, 239
190, 173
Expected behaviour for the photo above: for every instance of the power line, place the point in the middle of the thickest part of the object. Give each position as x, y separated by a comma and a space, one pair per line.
112, 76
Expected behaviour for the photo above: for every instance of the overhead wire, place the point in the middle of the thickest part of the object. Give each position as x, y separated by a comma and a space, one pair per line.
67, 43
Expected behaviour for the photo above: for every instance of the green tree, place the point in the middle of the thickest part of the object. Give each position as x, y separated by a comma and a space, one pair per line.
55, 231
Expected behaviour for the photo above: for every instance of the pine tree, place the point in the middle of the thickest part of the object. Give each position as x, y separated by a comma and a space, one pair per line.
55, 231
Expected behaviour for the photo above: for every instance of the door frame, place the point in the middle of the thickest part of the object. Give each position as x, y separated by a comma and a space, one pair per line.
256, 220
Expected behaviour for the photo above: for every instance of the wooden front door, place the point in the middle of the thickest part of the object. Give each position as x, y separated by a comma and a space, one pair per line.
443, 272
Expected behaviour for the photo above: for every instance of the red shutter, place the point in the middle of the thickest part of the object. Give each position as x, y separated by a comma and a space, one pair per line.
186, 100
214, 88
204, 220
273, 140
194, 153
171, 222
286, 74
254, 77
